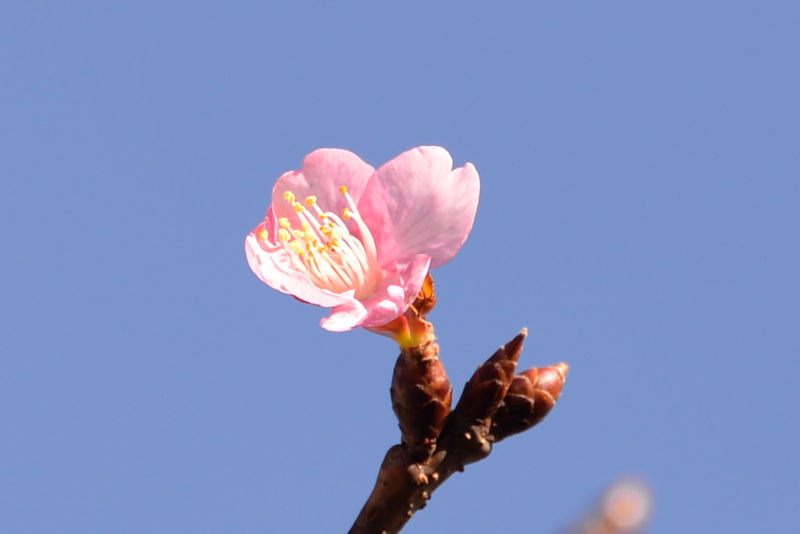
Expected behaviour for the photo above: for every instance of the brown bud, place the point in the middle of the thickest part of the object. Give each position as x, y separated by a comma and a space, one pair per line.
530, 397
486, 389
421, 398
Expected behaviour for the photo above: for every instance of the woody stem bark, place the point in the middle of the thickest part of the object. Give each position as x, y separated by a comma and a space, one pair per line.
435, 441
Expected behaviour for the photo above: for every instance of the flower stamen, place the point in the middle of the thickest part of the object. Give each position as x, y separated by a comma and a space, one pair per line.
324, 248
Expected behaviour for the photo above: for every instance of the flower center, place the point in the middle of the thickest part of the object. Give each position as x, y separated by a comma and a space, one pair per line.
326, 251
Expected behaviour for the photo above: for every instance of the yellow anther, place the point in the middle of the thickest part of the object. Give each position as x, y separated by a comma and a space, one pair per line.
321, 245
263, 234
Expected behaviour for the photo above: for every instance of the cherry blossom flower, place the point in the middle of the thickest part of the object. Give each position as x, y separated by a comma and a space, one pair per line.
340, 234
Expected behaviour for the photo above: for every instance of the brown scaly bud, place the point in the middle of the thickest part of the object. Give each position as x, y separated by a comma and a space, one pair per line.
530, 397
485, 391
421, 398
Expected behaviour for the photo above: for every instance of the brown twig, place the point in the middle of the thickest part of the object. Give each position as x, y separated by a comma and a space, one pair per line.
437, 442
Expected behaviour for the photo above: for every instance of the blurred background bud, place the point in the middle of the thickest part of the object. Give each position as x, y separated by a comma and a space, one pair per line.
625, 507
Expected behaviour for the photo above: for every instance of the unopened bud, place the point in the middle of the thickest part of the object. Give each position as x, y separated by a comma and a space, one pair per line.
530, 397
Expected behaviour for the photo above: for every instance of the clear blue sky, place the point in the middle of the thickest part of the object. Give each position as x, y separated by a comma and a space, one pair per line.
639, 214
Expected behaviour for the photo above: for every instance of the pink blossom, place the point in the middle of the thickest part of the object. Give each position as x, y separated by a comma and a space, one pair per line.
340, 234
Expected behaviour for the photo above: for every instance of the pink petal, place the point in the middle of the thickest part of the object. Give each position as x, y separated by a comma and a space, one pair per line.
395, 294
323, 172
416, 204
272, 265
344, 317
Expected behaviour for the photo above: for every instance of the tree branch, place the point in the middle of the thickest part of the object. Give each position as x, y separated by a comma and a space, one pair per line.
436, 442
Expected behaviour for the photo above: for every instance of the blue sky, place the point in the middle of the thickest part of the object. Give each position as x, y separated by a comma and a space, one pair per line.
639, 166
